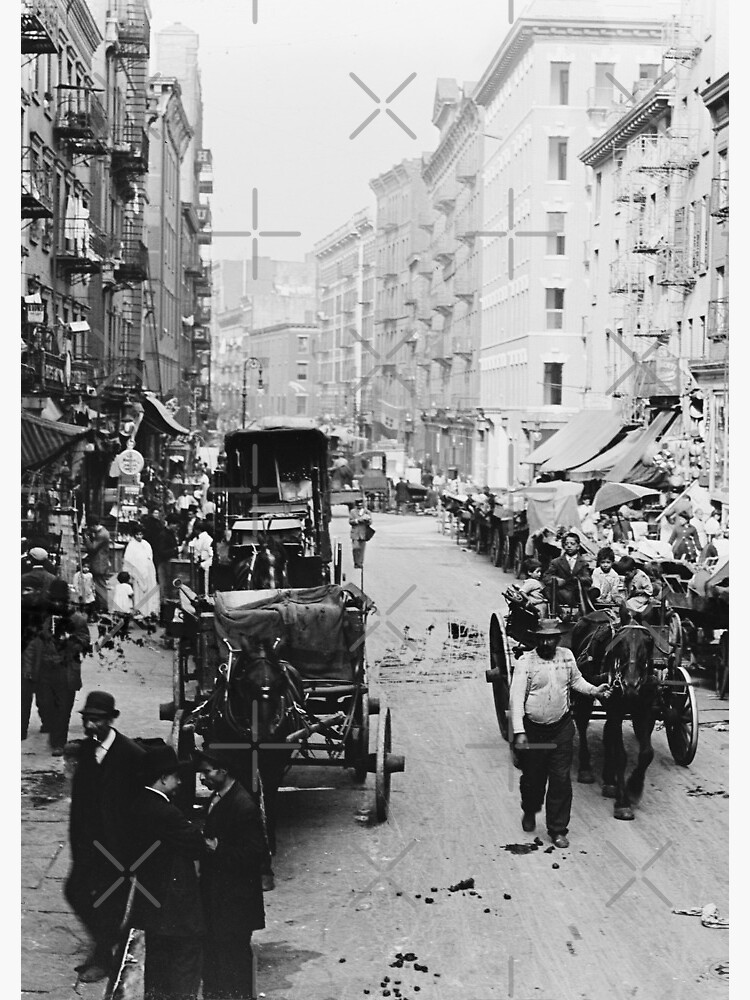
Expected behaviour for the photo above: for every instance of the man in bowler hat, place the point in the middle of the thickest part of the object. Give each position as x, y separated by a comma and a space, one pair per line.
104, 786
166, 901
231, 887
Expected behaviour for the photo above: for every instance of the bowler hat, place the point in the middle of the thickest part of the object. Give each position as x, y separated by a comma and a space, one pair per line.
548, 626
160, 760
100, 703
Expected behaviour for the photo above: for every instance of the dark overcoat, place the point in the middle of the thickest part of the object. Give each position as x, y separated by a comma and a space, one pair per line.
168, 872
231, 885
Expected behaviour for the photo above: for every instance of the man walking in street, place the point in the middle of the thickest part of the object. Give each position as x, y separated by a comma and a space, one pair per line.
97, 541
543, 729
402, 495
361, 532
166, 903
36, 632
231, 886
104, 785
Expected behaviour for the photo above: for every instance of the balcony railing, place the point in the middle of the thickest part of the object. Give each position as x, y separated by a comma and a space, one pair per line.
443, 251
720, 198
132, 262
37, 188
626, 276
130, 150
202, 314
675, 267
203, 285
718, 319
134, 38
203, 212
443, 301
84, 246
82, 375
81, 120
664, 153
627, 187
44, 372
193, 267
445, 196
39, 27
645, 235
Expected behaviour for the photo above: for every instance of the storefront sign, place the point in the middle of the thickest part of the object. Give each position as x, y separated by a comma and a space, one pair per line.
129, 462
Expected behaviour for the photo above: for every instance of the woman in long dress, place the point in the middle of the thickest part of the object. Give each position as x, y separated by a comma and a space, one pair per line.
138, 560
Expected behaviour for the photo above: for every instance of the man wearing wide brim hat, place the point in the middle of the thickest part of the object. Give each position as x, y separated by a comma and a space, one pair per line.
543, 728
105, 782
166, 903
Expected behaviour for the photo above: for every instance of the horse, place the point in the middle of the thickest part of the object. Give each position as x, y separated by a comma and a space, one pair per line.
264, 569
258, 701
627, 663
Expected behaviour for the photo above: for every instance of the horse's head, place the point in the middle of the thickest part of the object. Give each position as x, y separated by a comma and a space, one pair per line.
259, 686
628, 660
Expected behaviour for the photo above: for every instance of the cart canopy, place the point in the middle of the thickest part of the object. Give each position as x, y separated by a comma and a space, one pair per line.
321, 629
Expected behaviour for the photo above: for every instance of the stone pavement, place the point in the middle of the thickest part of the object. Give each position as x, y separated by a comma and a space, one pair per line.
52, 940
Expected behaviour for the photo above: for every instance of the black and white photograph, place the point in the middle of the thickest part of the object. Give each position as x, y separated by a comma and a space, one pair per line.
374, 505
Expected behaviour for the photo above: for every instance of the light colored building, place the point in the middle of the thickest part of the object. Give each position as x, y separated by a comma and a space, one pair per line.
169, 352
277, 377
657, 323
281, 292
446, 284
401, 202
546, 94
346, 313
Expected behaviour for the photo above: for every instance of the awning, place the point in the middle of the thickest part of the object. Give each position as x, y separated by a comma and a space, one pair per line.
596, 468
585, 435
42, 440
631, 468
157, 416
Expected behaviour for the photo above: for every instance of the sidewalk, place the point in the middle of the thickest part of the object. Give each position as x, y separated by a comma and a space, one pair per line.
53, 941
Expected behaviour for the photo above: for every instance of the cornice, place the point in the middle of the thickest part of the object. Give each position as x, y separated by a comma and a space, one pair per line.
716, 98
650, 109
460, 132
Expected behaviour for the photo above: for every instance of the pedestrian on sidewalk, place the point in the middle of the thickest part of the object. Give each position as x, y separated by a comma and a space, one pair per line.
123, 602
234, 854
97, 541
60, 668
167, 904
402, 495
361, 532
138, 561
36, 632
82, 590
543, 729
105, 782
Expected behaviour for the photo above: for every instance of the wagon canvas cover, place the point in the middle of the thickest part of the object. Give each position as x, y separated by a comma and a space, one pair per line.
319, 634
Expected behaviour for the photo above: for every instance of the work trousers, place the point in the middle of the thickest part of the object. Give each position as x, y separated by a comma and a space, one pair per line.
55, 701
88, 891
228, 967
358, 553
546, 766
101, 592
173, 967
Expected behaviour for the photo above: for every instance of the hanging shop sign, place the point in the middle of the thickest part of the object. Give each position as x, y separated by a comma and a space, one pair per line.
129, 462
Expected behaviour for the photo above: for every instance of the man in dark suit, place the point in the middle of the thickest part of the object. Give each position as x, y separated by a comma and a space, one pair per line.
104, 785
36, 631
231, 888
567, 571
166, 902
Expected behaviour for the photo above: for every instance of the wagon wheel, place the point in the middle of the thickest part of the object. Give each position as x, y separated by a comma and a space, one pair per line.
681, 715
498, 675
518, 557
675, 638
382, 771
496, 547
507, 561
722, 674
337, 564
357, 750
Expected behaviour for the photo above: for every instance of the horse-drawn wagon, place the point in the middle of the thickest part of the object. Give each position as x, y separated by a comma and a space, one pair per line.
641, 662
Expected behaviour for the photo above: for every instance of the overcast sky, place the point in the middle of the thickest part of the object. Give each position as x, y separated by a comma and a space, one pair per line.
280, 104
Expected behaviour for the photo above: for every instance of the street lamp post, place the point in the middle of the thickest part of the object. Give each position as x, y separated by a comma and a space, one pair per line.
254, 363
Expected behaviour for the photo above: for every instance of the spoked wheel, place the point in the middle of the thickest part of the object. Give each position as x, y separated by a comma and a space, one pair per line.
497, 675
675, 637
385, 763
518, 557
722, 673
507, 560
356, 751
681, 715
496, 548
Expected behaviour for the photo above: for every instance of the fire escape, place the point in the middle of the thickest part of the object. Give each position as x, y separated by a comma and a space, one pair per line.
39, 27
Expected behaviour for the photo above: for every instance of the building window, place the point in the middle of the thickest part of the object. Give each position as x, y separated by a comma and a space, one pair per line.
560, 82
648, 71
558, 159
556, 226
301, 371
603, 86
598, 194
302, 343
555, 298
552, 383
301, 406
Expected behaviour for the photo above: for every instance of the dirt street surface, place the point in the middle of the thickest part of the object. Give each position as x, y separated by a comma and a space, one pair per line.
367, 910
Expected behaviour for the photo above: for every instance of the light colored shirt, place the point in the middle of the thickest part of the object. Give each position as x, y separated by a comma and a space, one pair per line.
572, 560
608, 584
533, 591
540, 688
122, 598
101, 748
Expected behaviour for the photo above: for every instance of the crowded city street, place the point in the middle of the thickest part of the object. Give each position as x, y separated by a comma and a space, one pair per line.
353, 897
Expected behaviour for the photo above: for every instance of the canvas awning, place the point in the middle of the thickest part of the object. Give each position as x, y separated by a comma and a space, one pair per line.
597, 467
156, 415
585, 435
42, 440
631, 468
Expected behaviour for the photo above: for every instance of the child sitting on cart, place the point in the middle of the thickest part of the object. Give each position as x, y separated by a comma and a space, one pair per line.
606, 584
530, 594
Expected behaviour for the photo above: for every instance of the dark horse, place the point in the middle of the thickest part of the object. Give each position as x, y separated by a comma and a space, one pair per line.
257, 703
626, 662
264, 569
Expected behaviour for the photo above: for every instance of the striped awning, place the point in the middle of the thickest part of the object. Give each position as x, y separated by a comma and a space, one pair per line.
42, 441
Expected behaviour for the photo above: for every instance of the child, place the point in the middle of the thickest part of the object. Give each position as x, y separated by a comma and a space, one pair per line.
122, 601
531, 592
604, 577
83, 591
